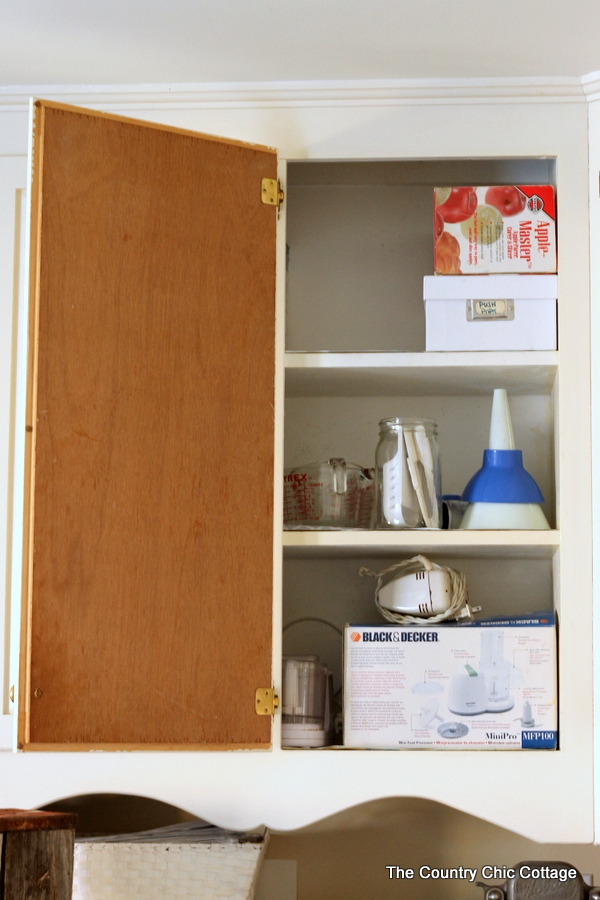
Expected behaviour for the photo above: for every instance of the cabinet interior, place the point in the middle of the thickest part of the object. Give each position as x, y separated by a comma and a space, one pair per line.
359, 239
318, 428
333, 591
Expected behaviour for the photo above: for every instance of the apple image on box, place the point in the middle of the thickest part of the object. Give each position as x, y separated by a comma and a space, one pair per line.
457, 204
484, 226
447, 255
507, 199
439, 225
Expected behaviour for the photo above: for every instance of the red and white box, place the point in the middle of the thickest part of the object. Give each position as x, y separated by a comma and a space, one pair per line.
509, 228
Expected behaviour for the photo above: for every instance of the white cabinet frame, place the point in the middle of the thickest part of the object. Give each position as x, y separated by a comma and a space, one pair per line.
546, 796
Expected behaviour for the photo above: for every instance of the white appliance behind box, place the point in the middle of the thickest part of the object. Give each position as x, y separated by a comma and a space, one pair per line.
490, 312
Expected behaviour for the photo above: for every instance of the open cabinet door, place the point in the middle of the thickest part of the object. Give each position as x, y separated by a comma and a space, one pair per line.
149, 500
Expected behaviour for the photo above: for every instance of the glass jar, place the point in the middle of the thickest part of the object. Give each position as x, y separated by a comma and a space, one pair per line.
408, 484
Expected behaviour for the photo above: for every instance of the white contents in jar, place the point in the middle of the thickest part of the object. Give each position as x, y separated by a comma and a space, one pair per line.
399, 502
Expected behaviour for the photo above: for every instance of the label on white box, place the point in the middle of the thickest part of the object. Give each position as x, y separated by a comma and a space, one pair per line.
490, 309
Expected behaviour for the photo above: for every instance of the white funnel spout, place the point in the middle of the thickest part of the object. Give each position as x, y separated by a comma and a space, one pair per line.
501, 432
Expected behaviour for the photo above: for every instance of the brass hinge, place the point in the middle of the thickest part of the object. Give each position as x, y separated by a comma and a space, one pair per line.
266, 701
271, 192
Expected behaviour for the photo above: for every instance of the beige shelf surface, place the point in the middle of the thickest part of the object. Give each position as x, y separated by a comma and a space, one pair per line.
454, 544
371, 374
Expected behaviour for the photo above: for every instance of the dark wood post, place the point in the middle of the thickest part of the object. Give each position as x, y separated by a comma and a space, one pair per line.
36, 854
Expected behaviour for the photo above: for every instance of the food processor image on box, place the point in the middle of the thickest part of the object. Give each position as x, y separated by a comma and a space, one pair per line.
427, 702
474, 692
467, 694
499, 675
428, 716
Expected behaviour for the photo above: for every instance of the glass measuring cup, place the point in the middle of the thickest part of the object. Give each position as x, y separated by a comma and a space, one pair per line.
329, 494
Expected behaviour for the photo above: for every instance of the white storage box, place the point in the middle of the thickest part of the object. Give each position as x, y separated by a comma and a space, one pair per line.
490, 312
475, 686
169, 863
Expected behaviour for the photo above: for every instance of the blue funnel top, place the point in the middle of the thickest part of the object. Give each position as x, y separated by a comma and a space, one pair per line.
502, 479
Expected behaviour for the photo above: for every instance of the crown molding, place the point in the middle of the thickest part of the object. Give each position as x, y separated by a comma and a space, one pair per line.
591, 86
309, 93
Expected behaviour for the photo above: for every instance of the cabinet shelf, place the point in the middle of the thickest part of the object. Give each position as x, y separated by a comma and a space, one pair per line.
419, 374
451, 544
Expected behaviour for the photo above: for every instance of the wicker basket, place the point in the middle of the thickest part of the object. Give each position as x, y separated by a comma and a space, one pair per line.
125, 870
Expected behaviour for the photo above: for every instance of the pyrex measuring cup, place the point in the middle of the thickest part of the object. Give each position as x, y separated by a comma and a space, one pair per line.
408, 474
330, 494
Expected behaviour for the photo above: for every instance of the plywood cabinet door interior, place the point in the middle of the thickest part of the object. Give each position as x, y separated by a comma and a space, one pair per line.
147, 582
